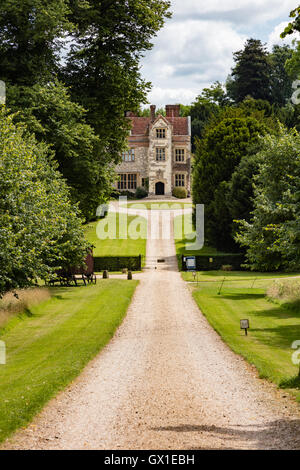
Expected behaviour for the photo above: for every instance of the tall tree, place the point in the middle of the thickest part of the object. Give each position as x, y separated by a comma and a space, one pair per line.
30, 39
272, 237
103, 64
251, 76
216, 158
281, 83
53, 117
201, 111
216, 93
40, 230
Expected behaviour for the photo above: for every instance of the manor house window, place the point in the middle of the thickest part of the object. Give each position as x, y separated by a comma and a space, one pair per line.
179, 180
127, 181
160, 154
128, 156
179, 155
160, 133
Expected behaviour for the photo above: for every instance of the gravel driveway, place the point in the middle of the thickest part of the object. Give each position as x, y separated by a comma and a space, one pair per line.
165, 381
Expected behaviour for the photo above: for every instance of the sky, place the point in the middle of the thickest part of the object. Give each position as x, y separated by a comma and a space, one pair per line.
195, 48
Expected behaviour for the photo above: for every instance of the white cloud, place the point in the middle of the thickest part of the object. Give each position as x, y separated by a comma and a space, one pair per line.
274, 37
191, 54
162, 96
195, 48
234, 11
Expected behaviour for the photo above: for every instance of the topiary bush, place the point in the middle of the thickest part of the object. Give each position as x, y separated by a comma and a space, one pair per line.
180, 193
141, 193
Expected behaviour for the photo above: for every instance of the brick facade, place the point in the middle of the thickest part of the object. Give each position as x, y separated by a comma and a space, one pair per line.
159, 155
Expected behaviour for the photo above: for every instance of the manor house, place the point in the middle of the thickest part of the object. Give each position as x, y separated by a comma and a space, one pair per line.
159, 155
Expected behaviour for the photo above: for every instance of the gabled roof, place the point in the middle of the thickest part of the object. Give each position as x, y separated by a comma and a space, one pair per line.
141, 125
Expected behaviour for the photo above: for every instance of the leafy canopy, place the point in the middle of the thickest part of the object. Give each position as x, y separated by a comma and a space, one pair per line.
272, 237
39, 227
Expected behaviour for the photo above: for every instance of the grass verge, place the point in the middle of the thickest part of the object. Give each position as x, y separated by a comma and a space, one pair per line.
214, 276
112, 227
49, 347
273, 327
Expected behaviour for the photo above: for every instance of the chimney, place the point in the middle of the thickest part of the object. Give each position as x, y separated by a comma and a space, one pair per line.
172, 110
152, 112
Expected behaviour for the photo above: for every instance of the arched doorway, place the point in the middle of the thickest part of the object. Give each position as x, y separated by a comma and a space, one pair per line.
160, 189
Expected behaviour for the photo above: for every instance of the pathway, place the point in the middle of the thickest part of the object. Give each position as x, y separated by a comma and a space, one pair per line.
165, 381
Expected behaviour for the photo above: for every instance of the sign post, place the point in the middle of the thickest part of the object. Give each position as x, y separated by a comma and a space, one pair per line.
190, 263
245, 325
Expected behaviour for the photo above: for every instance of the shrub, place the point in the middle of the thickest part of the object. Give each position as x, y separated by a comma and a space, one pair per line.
141, 193
129, 194
180, 193
227, 267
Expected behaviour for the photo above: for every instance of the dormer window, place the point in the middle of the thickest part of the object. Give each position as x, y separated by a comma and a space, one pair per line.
160, 133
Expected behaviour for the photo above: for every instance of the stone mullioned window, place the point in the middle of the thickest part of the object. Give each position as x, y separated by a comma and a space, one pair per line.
179, 155
160, 154
127, 181
160, 133
180, 180
128, 156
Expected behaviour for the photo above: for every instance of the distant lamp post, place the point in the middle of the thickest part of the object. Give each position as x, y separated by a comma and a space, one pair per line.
2, 92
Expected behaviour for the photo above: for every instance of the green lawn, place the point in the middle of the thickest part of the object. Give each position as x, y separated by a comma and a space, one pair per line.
211, 276
49, 346
183, 231
167, 205
273, 327
115, 245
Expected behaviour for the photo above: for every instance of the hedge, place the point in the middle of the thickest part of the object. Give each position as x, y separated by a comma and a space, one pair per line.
203, 262
117, 263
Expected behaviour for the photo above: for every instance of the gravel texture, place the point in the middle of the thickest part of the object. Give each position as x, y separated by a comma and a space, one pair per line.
165, 381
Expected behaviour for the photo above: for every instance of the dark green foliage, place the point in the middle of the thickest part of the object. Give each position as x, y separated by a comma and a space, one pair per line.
216, 158
251, 75
180, 193
272, 236
141, 193
103, 67
204, 263
117, 263
88, 132
39, 227
281, 83
30, 39
240, 190
201, 112
50, 114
